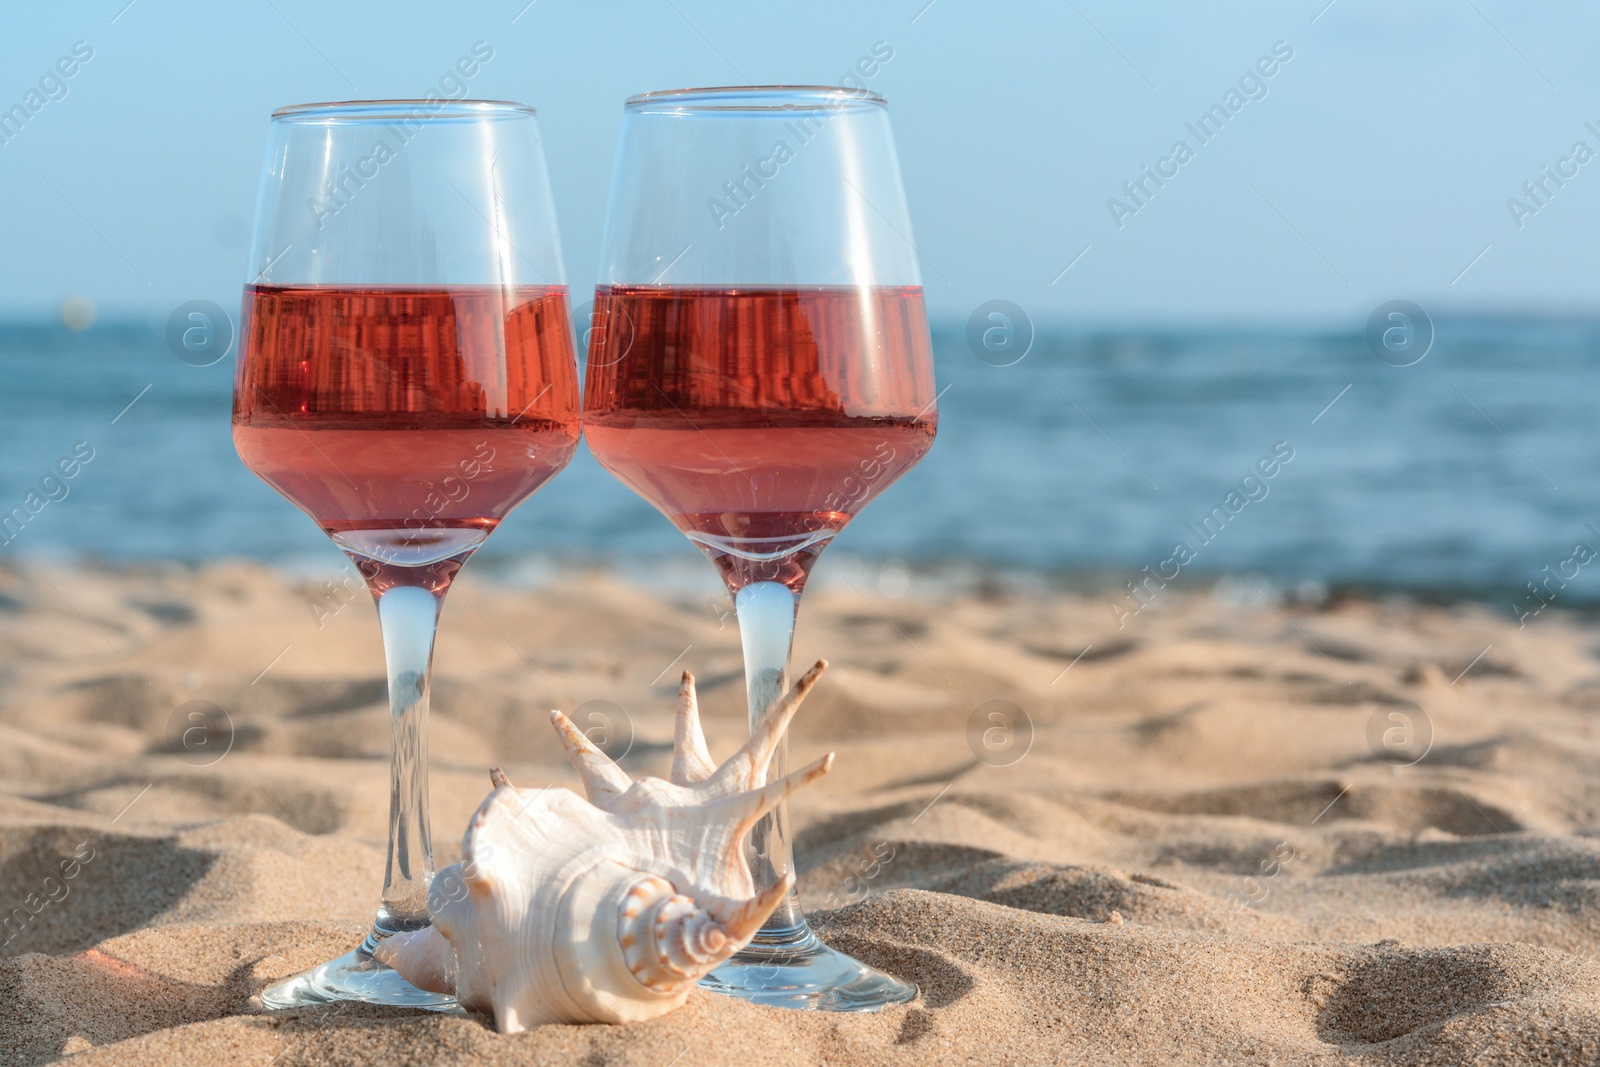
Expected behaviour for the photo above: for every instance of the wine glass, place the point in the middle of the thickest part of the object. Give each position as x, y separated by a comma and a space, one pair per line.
759, 369
406, 377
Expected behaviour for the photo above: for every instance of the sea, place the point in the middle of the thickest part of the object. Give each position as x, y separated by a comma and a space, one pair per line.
1467, 473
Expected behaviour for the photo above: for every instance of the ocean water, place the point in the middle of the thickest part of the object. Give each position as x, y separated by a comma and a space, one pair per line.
1098, 454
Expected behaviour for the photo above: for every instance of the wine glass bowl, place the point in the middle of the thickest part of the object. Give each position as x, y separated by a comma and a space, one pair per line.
784, 411
435, 409
406, 377
774, 376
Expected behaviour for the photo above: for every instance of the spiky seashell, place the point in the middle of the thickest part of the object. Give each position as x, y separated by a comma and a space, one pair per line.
607, 909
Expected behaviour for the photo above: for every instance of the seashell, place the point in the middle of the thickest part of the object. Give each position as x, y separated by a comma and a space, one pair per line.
608, 909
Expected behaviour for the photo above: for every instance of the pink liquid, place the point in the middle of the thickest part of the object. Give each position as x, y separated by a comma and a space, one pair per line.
760, 421
406, 422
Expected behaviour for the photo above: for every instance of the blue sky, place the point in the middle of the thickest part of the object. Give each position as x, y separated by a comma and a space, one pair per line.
1377, 165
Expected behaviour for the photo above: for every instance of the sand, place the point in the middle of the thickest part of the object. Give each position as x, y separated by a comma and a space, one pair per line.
1185, 841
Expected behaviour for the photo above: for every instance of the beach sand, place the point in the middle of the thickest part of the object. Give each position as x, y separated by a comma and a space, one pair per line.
1200, 850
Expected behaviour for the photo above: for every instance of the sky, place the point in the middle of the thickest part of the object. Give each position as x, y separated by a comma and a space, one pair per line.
1378, 161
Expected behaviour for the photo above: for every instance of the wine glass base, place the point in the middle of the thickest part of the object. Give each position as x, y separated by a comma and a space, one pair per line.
802, 973
353, 976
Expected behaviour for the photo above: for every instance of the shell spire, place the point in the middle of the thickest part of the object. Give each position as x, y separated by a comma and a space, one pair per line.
607, 908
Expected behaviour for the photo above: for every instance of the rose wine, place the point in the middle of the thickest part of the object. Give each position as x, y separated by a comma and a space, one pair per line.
406, 421
759, 420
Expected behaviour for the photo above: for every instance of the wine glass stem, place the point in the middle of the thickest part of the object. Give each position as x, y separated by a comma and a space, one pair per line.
766, 613
409, 616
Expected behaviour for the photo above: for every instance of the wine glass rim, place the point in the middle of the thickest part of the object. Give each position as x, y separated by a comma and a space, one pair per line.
754, 97
399, 108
